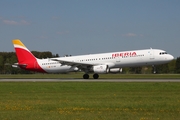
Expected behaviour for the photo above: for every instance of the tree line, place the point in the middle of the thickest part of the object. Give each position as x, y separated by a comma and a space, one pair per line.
7, 59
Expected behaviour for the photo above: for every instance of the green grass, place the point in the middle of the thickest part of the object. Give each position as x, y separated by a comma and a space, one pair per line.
89, 101
102, 76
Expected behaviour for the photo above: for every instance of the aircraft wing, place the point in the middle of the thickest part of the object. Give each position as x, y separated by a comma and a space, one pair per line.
75, 64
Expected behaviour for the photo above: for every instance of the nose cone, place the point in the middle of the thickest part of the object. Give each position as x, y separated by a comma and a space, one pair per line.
170, 57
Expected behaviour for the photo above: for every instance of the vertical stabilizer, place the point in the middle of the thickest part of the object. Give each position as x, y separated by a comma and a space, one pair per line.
22, 53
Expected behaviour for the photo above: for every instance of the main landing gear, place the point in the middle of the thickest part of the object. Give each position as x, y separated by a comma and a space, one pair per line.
95, 76
86, 76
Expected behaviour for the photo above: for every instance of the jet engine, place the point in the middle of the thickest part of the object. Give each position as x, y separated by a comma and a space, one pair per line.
115, 70
100, 69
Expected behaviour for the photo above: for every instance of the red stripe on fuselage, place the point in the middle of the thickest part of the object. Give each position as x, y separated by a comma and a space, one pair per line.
26, 57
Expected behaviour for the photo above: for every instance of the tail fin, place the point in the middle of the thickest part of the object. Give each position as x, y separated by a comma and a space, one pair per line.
22, 53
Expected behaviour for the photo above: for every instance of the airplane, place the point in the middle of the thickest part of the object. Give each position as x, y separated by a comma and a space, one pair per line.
101, 63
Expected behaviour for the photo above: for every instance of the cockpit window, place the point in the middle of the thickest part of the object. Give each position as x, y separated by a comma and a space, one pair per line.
162, 53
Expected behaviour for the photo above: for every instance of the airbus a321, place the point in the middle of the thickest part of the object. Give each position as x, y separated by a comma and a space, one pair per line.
101, 63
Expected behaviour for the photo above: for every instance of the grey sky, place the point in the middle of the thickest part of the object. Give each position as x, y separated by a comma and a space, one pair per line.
90, 26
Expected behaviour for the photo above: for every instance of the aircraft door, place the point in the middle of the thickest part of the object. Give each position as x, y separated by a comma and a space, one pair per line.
151, 54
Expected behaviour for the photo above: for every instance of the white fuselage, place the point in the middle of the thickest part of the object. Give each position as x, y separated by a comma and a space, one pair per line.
113, 60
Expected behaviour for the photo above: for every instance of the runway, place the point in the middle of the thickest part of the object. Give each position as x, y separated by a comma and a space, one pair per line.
89, 80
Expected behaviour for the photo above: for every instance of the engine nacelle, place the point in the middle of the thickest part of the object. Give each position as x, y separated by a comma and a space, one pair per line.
100, 69
115, 70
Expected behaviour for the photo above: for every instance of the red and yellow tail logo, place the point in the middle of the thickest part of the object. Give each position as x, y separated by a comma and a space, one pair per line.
22, 53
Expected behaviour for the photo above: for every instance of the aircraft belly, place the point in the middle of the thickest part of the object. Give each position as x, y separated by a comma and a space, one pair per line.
57, 69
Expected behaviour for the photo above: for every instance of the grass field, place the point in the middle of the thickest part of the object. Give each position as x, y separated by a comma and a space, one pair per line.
89, 101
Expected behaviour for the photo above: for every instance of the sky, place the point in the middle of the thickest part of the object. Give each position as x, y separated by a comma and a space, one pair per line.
76, 27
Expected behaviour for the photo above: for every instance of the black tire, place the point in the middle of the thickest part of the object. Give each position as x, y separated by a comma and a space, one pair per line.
95, 76
86, 76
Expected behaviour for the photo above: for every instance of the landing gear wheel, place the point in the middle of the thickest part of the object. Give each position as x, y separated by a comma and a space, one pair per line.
95, 76
154, 69
86, 76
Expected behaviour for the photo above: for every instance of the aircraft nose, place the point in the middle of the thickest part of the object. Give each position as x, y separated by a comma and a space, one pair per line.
170, 57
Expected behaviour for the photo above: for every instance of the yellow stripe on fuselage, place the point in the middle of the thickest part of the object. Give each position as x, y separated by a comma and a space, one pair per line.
18, 42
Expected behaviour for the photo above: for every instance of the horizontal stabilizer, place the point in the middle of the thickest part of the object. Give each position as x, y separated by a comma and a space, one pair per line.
16, 65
